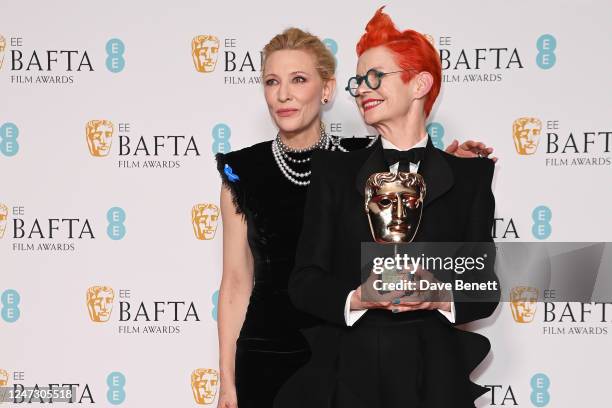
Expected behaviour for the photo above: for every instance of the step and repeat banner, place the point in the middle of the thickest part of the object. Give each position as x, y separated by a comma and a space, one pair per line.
110, 231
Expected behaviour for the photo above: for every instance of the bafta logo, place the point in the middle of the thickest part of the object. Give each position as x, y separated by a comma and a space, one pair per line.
100, 303
204, 220
204, 384
3, 219
204, 50
2, 48
394, 205
4, 376
99, 137
526, 135
523, 302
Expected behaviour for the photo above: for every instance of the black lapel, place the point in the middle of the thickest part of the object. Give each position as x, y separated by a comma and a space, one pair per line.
436, 172
375, 163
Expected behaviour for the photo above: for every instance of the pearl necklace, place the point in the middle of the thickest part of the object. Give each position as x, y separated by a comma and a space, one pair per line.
281, 153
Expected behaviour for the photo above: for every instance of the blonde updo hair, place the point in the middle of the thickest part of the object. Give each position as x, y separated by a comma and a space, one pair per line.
296, 39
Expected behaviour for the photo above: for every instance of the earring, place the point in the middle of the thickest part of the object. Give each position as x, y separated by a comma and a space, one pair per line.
325, 101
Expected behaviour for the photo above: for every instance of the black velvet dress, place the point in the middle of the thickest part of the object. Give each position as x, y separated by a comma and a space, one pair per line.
270, 347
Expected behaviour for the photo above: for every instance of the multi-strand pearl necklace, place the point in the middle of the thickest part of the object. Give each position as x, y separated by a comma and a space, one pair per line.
282, 156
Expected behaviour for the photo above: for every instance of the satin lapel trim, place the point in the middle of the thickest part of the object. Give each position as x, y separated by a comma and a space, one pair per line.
436, 171
375, 163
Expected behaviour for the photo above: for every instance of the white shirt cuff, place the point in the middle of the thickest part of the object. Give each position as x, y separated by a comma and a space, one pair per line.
351, 316
450, 316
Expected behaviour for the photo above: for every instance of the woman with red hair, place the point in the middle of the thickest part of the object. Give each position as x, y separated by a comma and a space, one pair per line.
399, 351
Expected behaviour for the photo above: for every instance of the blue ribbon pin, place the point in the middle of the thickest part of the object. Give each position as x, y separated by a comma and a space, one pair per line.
230, 173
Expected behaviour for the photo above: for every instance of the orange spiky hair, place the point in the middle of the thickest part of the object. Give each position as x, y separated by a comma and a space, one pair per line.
412, 51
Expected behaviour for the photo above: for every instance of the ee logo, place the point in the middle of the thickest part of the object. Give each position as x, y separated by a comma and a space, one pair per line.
8, 139
114, 60
116, 392
546, 46
332, 45
541, 216
10, 305
116, 229
539, 390
221, 134
215, 301
436, 131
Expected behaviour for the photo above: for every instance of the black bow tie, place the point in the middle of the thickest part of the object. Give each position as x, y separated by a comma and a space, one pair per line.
404, 158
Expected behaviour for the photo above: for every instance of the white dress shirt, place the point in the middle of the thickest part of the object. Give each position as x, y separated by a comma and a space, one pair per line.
351, 316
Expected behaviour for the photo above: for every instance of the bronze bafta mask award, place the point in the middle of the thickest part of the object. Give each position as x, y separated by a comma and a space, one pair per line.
394, 205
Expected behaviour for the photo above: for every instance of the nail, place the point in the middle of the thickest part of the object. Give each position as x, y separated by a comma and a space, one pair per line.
394, 310
396, 301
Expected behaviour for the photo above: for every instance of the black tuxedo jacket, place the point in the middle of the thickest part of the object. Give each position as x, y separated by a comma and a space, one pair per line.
459, 207
354, 366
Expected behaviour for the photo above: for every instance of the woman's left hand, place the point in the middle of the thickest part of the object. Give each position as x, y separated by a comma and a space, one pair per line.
408, 306
470, 149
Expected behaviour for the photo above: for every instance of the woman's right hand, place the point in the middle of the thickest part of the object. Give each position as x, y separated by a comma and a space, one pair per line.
358, 304
227, 396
